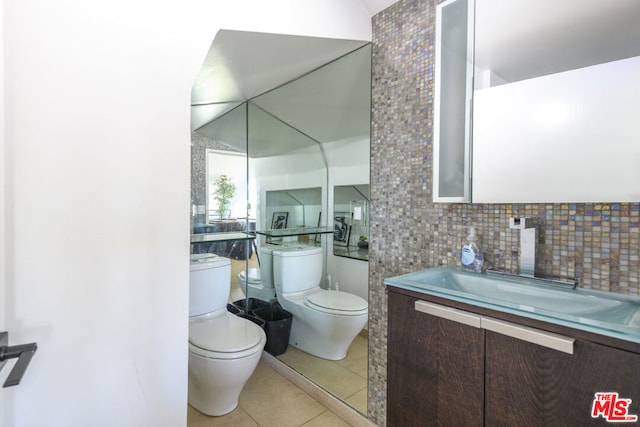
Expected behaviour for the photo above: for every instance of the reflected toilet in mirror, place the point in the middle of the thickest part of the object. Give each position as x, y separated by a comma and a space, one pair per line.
258, 282
302, 128
325, 322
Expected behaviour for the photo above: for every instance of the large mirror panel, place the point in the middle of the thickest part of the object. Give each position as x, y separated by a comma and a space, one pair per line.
303, 125
556, 100
299, 142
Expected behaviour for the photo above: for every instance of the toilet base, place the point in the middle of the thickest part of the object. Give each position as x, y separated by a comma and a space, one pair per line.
323, 335
325, 349
215, 385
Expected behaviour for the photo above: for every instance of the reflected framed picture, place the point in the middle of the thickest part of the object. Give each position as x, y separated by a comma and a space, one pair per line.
341, 228
279, 220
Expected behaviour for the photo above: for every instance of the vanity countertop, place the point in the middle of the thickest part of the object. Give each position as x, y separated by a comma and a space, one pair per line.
603, 313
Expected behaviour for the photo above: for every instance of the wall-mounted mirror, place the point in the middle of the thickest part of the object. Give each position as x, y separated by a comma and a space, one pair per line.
555, 101
299, 108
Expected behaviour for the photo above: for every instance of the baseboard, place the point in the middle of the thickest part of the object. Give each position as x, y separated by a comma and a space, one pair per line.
334, 404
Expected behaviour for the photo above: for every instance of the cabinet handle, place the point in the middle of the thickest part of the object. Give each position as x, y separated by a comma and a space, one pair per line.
448, 313
535, 336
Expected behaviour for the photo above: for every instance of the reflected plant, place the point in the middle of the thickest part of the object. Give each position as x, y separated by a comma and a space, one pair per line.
225, 190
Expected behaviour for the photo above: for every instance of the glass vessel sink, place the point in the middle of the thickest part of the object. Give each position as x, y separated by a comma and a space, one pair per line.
596, 311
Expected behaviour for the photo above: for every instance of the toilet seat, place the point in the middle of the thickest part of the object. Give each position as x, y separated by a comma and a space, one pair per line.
336, 302
225, 337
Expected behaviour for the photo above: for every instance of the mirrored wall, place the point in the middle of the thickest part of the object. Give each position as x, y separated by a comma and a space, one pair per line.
298, 110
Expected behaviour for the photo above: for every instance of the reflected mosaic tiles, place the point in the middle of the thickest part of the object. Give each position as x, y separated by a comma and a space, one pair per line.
597, 244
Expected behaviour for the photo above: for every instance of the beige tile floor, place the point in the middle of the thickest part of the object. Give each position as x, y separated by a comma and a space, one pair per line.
345, 379
270, 400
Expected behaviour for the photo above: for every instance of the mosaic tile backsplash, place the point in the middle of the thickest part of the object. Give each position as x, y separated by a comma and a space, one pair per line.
596, 243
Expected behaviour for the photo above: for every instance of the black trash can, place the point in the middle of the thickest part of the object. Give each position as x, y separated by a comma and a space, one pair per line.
277, 326
248, 305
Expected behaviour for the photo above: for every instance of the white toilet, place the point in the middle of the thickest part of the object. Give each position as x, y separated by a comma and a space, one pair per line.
260, 283
224, 349
325, 322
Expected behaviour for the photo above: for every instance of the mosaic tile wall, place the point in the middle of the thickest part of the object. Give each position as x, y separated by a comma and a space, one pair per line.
596, 243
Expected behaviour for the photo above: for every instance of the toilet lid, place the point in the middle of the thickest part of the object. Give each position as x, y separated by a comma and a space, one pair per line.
227, 333
336, 301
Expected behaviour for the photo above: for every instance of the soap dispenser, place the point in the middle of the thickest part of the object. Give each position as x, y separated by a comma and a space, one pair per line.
472, 258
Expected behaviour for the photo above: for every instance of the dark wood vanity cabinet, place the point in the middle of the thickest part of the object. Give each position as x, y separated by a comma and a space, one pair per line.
445, 373
530, 385
434, 369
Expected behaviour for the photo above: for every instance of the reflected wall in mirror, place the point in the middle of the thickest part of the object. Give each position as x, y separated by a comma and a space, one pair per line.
294, 208
282, 162
299, 107
556, 101
351, 221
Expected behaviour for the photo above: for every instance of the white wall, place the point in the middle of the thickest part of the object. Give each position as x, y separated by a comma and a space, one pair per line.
97, 195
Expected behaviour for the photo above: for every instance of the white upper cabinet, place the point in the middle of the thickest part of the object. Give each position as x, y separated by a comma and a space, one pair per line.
545, 107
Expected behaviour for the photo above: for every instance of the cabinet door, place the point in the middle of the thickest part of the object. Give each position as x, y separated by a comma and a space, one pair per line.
530, 385
434, 369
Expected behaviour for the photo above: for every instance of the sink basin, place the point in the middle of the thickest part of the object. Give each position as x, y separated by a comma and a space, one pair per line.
537, 298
